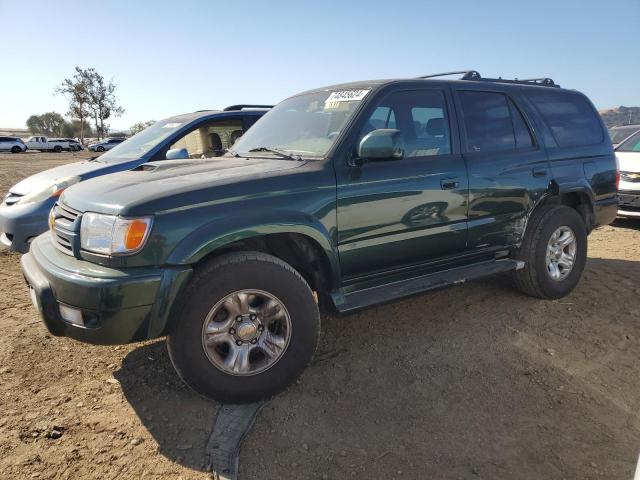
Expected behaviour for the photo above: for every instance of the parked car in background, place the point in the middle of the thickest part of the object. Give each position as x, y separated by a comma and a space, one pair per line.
24, 211
620, 133
106, 144
342, 197
628, 155
74, 145
12, 144
46, 144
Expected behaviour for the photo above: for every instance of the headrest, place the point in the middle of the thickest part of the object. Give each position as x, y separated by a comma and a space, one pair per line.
435, 126
235, 135
216, 142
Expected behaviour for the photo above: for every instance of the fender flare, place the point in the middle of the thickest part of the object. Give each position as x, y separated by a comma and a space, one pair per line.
233, 228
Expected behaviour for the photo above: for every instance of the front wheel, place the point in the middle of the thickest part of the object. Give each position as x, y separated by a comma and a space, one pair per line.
554, 251
100, 149
16, 149
248, 328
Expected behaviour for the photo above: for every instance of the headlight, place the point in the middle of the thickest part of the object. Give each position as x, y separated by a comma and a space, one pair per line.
111, 235
53, 189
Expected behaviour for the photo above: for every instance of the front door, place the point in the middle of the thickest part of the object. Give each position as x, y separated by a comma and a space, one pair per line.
396, 213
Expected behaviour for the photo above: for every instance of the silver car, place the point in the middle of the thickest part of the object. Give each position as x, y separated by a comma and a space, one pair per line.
620, 133
106, 144
12, 144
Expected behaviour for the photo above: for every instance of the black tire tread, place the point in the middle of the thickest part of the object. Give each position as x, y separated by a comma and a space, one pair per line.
526, 279
211, 267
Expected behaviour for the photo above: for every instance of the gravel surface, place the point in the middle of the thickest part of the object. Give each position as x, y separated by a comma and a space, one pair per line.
477, 381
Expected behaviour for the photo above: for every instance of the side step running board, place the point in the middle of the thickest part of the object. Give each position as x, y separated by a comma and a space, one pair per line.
350, 302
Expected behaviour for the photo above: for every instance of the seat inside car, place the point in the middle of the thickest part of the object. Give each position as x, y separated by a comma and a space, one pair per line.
235, 135
215, 144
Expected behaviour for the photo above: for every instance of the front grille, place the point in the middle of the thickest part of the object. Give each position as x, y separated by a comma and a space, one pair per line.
630, 176
629, 201
12, 198
65, 229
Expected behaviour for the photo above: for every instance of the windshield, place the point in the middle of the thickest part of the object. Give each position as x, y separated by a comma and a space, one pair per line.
307, 124
620, 133
631, 145
141, 142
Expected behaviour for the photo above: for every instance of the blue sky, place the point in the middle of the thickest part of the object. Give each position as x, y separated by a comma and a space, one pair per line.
170, 57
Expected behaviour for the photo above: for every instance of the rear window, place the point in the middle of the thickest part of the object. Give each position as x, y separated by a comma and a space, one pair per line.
571, 119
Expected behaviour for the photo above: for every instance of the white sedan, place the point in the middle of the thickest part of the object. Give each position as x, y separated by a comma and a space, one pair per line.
628, 154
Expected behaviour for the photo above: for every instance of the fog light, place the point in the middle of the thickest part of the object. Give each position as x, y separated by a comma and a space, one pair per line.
71, 315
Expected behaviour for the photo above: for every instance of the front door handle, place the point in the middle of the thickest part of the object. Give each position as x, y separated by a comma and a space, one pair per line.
449, 183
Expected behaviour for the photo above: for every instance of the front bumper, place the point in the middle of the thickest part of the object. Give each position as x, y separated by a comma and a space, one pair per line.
117, 305
629, 203
19, 224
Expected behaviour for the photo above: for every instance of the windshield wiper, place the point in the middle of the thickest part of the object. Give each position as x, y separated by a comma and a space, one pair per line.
277, 151
232, 152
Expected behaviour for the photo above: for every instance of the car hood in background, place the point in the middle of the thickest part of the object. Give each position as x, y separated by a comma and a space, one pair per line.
629, 161
43, 179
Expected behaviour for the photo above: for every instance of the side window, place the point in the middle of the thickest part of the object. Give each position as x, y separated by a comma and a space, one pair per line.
210, 139
421, 117
571, 119
487, 122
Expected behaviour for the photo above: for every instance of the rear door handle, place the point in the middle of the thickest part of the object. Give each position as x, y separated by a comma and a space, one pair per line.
449, 183
539, 172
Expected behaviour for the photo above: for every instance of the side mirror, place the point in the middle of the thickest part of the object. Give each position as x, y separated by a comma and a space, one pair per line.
177, 154
382, 144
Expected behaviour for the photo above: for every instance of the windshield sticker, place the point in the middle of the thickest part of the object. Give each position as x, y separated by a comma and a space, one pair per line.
334, 100
171, 125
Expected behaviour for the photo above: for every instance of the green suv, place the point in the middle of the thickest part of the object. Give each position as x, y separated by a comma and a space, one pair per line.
337, 199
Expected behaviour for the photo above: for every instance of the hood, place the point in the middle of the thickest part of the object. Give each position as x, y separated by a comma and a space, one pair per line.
169, 179
43, 179
629, 161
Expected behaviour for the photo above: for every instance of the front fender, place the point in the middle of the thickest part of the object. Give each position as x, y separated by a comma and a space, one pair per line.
215, 235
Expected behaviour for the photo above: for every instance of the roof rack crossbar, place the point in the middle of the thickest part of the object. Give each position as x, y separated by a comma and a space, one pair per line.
475, 76
243, 106
466, 75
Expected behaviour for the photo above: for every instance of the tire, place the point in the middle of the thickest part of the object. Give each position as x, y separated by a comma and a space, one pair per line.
16, 149
100, 149
57, 149
221, 279
536, 278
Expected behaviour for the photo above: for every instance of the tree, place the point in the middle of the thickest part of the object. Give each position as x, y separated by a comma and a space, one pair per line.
138, 127
76, 89
51, 124
102, 100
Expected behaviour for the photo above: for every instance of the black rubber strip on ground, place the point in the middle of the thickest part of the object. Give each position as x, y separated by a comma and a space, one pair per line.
233, 423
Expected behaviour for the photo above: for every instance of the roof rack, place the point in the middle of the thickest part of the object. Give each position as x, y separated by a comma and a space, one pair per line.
242, 107
475, 76
466, 75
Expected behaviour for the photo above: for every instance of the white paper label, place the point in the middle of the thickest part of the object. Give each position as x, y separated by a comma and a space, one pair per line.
346, 96
171, 125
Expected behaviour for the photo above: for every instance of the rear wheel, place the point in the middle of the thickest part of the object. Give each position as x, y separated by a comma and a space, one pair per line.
16, 149
554, 251
57, 149
248, 328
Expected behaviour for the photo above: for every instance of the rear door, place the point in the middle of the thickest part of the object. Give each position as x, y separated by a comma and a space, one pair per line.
508, 168
396, 213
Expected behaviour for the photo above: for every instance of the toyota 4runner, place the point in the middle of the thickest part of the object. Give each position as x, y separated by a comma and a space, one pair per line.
338, 198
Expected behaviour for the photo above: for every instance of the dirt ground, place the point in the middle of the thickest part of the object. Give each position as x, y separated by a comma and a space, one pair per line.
477, 381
